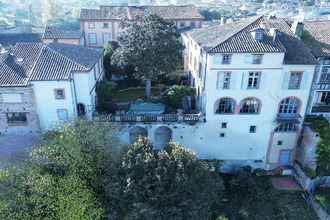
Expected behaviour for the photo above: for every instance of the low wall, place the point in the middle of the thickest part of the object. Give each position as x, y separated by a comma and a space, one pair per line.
306, 182
323, 215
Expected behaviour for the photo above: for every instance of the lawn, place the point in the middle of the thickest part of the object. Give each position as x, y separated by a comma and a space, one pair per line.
132, 95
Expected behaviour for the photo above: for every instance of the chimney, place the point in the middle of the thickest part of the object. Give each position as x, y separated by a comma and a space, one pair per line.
297, 28
263, 25
273, 32
223, 20
4, 54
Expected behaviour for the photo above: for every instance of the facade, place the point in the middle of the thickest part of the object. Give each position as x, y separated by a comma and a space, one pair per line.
52, 34
100, 25
41, 84
253, 79
318, 41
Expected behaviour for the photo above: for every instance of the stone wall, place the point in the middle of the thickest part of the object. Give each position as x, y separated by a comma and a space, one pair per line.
323, 215
306, 155
23, 102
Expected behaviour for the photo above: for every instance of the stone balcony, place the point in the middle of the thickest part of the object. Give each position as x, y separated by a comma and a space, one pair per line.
152, 118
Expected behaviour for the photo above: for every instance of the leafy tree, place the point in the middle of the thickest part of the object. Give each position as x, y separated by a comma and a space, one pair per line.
212, 13
52, 9
173, 96
166, 184
105, 90
151, 45
64, 176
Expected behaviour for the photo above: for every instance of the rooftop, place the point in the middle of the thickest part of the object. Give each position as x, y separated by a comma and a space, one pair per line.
51, 32
121, 12
318, 40
33, 61
10, 40
236, 37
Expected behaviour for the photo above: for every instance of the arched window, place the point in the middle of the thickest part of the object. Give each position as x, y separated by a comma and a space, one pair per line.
286, 128
225, 106
249, 106
289, 108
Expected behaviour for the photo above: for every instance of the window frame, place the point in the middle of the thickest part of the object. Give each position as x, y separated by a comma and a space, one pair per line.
226, 80
292, 80
286, 128
257, 61
58, 114
105, 25
57, 97
258, 35
222, 135
224, 124
224, 106
253, 129
19, 115
226, 59
248, 110
104, 42
253, 78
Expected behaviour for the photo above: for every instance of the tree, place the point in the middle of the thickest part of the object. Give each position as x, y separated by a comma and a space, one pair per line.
173, 96
105, 90
52, 9
151, 45
166, 184
65, 174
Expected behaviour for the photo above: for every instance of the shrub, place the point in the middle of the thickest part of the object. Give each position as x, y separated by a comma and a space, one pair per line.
322, 202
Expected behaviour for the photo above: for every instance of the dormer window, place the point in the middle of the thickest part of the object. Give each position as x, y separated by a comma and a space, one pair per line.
258, 35
226, 59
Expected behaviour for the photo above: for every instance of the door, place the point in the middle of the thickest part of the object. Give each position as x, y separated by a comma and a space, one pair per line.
285, 155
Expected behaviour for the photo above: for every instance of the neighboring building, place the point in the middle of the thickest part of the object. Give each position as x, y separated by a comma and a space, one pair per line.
17, 29
253, 79
52, 34
100, 25
317, 39
10, 40
43, 83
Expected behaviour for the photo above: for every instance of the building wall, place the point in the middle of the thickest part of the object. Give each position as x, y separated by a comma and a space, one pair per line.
47, 104
64, 41
18, 100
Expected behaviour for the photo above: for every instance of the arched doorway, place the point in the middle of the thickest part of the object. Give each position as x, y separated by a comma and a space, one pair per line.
135, 132
162, 136
81, 110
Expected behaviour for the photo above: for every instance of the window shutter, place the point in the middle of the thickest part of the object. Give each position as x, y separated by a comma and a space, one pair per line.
217, 59
245, 78
304, 80
220, 80
248, 58
232, 81
263, 81
286, 80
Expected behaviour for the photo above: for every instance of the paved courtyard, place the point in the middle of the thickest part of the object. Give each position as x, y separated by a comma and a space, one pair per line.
11, 144
285, 183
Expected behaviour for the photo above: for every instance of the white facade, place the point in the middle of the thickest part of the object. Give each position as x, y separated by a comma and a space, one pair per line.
78, 98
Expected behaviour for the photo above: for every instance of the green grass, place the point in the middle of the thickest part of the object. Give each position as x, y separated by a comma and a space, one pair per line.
132, 95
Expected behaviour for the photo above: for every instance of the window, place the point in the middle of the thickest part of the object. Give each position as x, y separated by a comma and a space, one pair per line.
91, 25
279, 142
257, 59
105, 25
325, 75
92, 38
294, 81
325, 97
222, 135
258, 35
200, 70
224, 125
226, 79
253, 129
12, 97
286, 128
225, 59
201, 52
59, 93
62, 114
225, 106
326, 61
195, 46
16, 118
106, 37
289, 108
249, 106
253, 81
192, 24
182, 24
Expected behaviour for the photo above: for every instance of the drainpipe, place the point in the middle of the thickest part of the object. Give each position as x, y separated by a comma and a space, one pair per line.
73, 94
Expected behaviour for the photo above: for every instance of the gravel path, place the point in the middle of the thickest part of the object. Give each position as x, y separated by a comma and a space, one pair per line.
13, 144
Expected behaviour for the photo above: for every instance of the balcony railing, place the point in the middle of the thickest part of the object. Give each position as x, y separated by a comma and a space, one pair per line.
288, 119
124, 118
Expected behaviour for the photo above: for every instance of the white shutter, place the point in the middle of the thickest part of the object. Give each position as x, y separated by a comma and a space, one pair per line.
220, 80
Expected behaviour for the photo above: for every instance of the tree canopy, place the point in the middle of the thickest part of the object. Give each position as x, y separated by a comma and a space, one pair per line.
173, 96
151, 45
